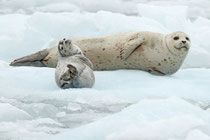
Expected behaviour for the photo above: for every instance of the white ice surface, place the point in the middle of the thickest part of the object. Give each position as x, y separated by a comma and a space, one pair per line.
149, 119
123, 104
127, 7
10, 113
178, 101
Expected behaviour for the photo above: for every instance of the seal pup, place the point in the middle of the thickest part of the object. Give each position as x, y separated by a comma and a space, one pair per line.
148, 51
73, 70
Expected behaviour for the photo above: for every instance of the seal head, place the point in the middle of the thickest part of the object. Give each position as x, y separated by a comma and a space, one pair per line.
66, 48
178, 43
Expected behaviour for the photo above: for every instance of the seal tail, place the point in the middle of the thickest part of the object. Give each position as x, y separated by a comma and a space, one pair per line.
34, 59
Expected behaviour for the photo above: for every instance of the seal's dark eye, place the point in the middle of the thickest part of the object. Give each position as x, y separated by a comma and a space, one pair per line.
176, 38
61, 48
187, 38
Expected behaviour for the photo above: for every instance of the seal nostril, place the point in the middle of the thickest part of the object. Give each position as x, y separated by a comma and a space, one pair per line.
184, 42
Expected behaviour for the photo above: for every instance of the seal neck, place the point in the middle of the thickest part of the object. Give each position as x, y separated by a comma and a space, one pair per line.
166, 38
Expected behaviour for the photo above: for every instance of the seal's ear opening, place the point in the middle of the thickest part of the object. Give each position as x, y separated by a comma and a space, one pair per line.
72, 69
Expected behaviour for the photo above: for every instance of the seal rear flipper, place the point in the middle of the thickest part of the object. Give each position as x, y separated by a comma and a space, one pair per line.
32, 60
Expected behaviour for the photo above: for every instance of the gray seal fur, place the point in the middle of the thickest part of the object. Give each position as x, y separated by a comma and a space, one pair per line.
73, 70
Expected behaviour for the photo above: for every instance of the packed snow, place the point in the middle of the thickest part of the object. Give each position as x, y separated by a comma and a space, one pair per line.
123, 104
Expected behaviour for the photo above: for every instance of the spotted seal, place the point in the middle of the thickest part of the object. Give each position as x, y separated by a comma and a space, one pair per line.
159, 54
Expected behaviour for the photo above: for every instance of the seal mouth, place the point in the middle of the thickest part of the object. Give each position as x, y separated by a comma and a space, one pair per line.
186, 48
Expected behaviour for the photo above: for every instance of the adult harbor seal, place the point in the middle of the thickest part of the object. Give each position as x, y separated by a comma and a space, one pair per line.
153, 52
73, 70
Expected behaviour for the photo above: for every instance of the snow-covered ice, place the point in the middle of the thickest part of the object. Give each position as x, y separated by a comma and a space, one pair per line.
43, 109
127, 7
153, 119
123, 104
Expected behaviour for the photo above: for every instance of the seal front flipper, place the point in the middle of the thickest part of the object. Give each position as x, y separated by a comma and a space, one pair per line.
155, 71
132, 44
35, 59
